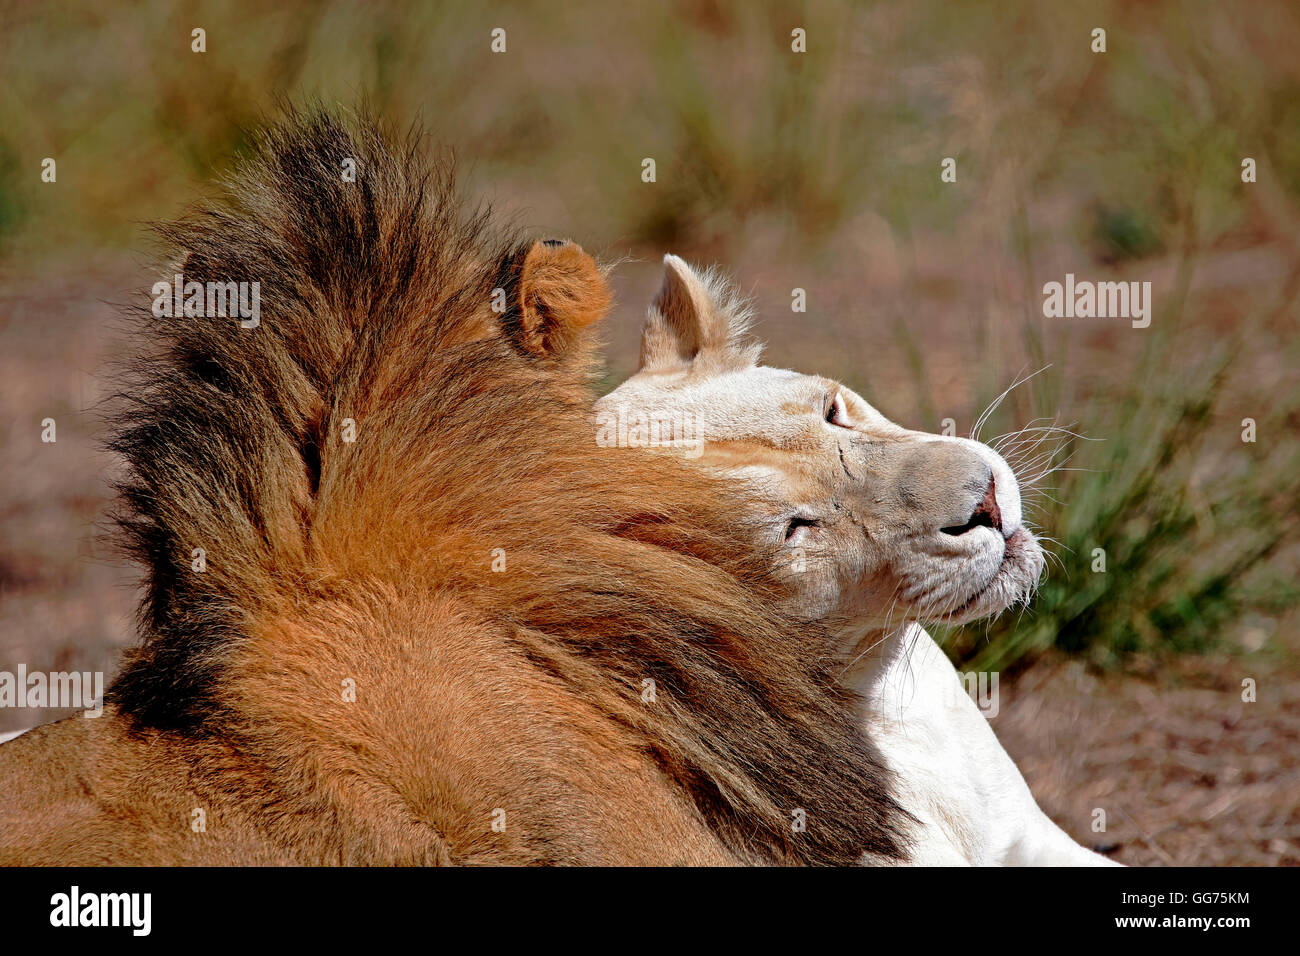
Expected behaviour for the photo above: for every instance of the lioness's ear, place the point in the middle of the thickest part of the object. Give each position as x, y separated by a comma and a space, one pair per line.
696, 319
559, 291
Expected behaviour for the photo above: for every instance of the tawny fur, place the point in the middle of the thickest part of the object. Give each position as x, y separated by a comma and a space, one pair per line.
477, 691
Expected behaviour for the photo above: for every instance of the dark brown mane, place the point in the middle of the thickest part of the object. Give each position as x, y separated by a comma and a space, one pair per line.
472, 439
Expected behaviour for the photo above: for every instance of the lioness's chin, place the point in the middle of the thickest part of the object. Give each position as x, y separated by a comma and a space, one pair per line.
998, 575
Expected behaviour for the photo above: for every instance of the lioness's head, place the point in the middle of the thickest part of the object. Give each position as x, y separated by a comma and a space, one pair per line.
870, 522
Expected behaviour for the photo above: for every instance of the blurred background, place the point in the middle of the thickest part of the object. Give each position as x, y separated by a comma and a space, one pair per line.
820, 170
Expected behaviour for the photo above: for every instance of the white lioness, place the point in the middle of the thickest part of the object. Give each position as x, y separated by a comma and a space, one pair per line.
874, 525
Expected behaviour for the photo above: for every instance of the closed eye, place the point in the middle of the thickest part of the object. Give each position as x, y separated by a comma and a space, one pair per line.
837, 412
798, 522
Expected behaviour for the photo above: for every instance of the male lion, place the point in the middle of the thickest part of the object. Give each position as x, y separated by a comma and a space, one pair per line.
399, 608
871, 525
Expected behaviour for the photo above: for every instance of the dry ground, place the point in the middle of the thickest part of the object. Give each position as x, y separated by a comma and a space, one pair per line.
1187, 773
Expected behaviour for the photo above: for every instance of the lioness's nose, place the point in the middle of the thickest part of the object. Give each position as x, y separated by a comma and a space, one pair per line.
987, 509
987, 514
1000, 507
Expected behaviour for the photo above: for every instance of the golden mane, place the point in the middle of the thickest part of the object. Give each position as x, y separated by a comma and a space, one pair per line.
575, 639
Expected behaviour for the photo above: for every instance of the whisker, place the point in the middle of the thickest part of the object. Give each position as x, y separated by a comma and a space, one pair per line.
993, 406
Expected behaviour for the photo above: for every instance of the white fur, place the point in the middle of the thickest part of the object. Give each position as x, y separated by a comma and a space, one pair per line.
973, 805
856, 507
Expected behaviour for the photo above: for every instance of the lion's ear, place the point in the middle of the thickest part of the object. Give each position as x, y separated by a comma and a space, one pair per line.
696, 318
559, 291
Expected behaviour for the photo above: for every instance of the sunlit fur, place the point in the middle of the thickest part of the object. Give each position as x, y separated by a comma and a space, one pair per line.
517, 696
855, 510
868, 499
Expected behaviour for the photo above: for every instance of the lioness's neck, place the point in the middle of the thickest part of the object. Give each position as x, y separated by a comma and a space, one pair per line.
871, 652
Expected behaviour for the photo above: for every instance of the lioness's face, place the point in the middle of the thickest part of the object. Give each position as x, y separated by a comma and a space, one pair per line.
870, 522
